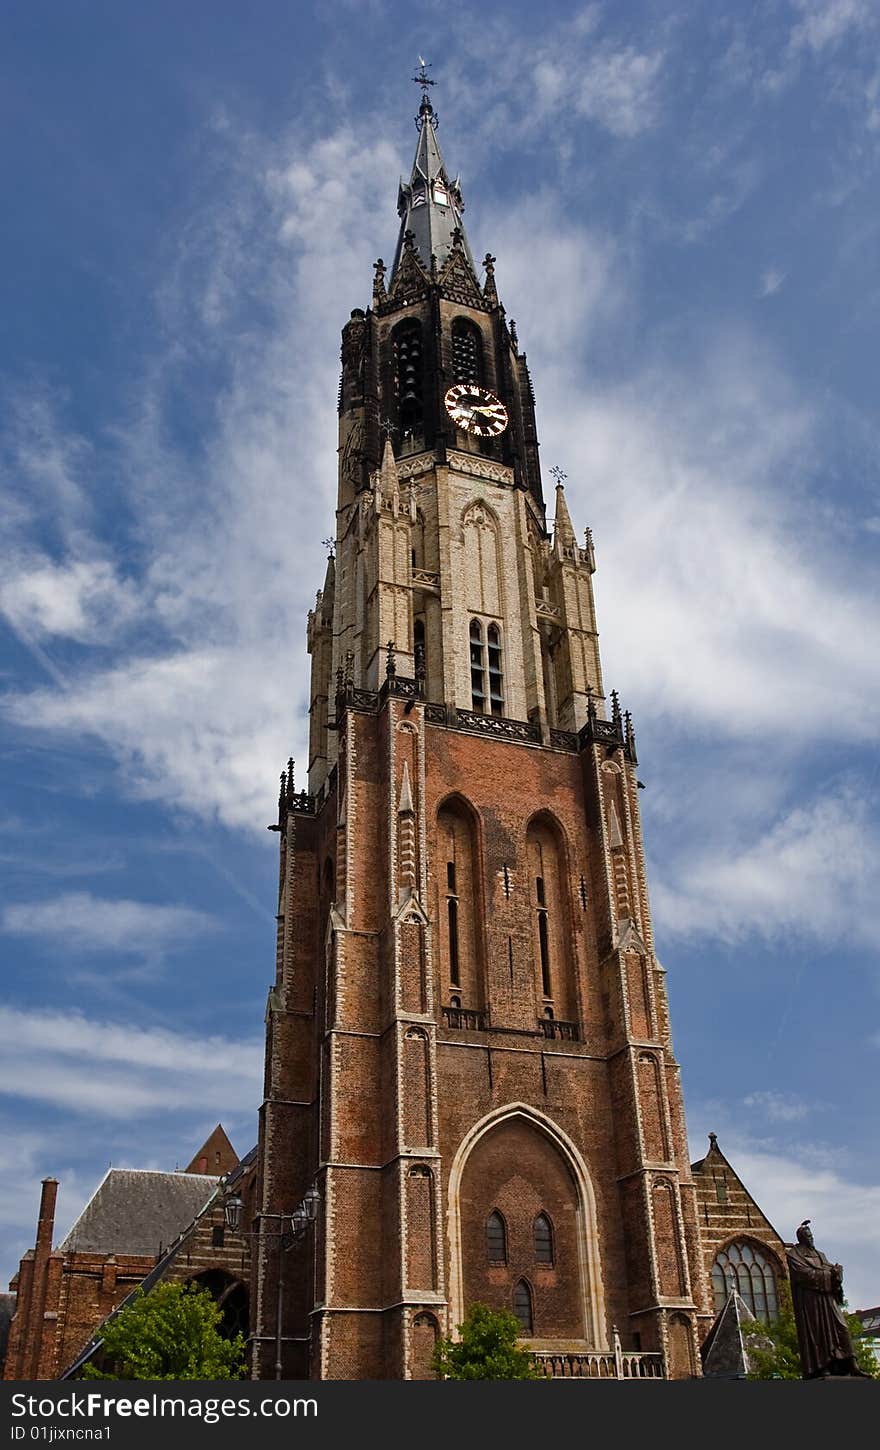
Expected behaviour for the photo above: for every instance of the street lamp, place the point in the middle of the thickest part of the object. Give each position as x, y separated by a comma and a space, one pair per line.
232, 1212
304, 1214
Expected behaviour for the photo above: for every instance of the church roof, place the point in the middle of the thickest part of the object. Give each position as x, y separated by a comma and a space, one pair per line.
138, 1211
216, 1154
430, 204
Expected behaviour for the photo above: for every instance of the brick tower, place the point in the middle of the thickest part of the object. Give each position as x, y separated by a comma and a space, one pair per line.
468, 1049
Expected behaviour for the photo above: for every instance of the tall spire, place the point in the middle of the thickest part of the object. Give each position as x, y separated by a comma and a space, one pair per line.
430, 204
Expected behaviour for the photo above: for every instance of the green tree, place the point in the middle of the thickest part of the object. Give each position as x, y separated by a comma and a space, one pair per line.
172, 1333
773, 1348
486, 1350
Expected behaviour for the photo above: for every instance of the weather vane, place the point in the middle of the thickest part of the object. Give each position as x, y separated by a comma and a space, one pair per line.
424, 80
329, 545
558, 473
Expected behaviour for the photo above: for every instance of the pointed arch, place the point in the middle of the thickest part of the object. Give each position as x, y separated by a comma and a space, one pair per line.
592, 1294
481, 537
552, 935
408, 356
460, 911
467, 351
542, 1237
496, 1237
523, 1307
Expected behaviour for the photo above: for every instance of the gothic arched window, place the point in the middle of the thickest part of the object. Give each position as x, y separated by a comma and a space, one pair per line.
543, 1234
458, 906
496, 674
522, 1306
496, 1238
478, 673
742, 1266
408, 376
487, 671
467, 352
555, 978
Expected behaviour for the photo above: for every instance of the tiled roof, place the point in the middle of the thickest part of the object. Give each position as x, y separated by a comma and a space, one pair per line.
138, 1211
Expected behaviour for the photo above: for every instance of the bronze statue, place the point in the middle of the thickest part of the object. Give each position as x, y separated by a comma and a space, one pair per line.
817, 1295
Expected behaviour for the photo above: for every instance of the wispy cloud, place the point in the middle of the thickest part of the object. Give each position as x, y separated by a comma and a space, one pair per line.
82, 600
771, 281
72, 1063
96, 924
779, 1107
812, 874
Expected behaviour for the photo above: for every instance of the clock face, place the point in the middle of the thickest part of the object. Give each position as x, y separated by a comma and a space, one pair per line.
476, 410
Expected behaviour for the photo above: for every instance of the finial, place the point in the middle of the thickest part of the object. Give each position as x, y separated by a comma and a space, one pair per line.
349, 665
390, 666
615, 708
513, 337
489, 262
591, 704
422, 79
282, 793
713, 1140
329, 545
559, 474
379, 270
339, 680
290, 778
409, 239
457, 238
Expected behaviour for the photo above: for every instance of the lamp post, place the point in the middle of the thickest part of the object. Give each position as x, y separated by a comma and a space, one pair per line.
304, 1214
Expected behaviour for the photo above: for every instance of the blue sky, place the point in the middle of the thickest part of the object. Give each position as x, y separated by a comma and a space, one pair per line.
682, 202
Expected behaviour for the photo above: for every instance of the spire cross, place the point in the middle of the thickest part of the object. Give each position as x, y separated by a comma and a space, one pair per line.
559, 474
422, 79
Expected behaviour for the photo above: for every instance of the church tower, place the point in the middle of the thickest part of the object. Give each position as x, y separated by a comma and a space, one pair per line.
468, 1053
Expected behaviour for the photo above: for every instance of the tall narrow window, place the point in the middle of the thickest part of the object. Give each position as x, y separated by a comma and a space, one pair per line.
419, 659
522, 1306
467, 352
543, 1234
458, 907
487, 674
550, 900
543, 936
496, 1238
478, 673
452, 920
408, 379
496, 677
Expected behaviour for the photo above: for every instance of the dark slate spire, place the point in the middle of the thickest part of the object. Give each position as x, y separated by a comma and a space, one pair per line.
430, 204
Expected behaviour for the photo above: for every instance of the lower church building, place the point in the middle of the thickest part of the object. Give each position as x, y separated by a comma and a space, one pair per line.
471, 1093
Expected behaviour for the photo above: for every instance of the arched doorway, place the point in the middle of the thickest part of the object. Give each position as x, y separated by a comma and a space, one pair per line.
522, 1212
232, 1297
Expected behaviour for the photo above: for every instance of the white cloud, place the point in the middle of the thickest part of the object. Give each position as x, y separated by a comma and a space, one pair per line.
825, 22
89, 923
71, 1063
771, 281
779, 1107
813, 873
81, 599
619, 88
